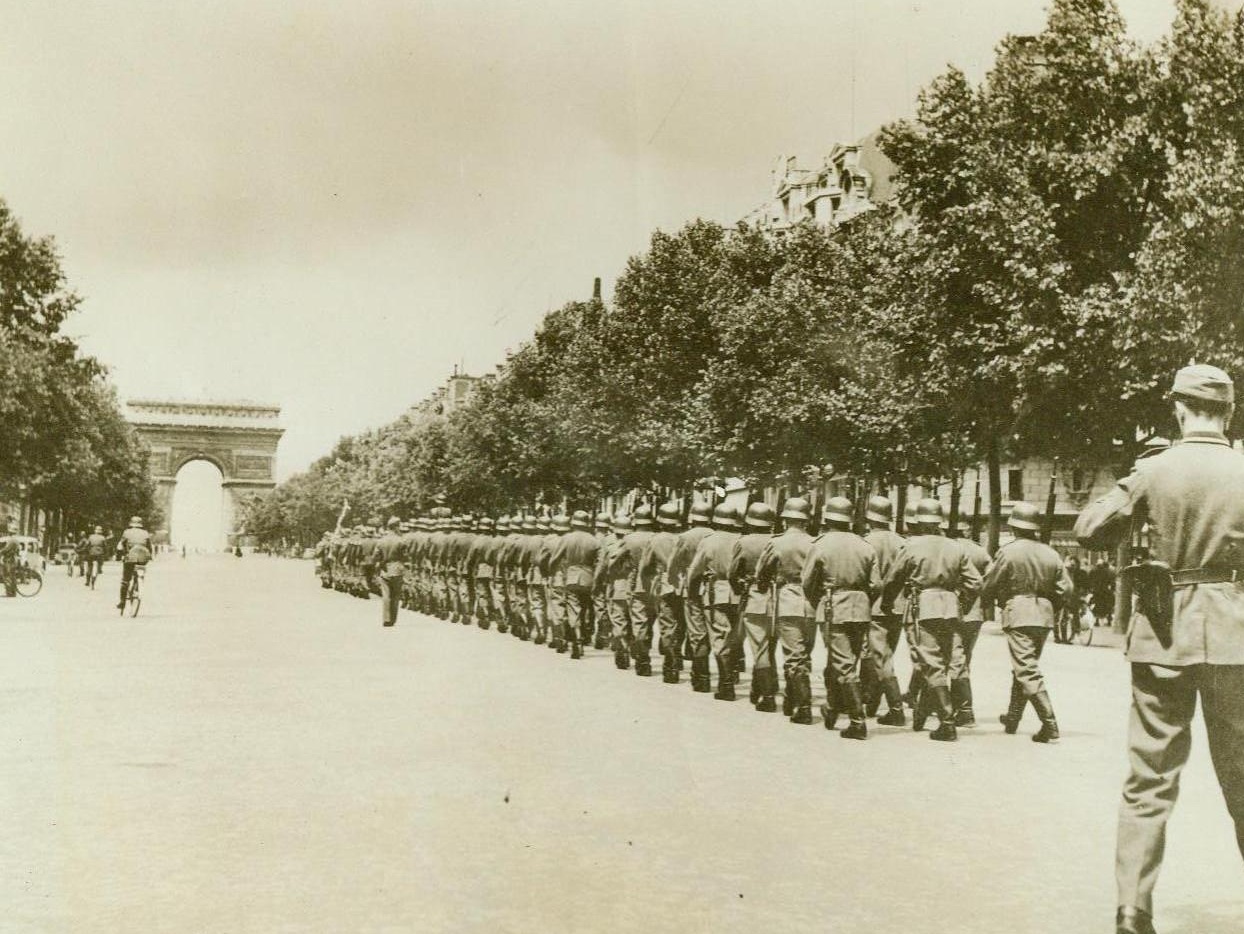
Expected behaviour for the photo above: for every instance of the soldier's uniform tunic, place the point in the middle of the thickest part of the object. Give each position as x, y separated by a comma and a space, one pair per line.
654, 578
1193, 498
884, 632
708, 579
840, 574
386, 559
625, 559
755, 617
574, 559
616, 582
780, 572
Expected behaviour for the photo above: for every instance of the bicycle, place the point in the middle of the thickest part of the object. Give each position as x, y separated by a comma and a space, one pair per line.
133, 596
29, 581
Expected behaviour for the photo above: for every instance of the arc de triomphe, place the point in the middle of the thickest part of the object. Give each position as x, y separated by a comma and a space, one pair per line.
240, 438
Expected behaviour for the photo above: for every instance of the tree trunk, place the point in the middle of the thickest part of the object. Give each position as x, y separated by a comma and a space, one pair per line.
956, 487
994, 461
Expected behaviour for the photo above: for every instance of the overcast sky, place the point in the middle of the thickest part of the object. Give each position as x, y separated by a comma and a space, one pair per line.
327, 205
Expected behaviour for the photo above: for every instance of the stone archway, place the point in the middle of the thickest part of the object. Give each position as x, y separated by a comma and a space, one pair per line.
239, 438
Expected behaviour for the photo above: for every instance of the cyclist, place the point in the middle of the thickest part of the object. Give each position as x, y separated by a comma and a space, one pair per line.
134, 546
96, 548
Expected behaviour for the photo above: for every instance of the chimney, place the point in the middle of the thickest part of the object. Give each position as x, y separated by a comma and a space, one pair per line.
596, 289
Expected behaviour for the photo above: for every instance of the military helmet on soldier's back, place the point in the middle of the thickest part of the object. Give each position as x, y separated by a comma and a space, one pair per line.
797, 508
668, 514
1024, 516
759, 516
879, 509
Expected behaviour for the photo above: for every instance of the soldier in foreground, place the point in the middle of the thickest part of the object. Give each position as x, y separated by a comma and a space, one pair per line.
969, 631
654, 577
574, 562
941, 582
386, 561
1187, 637
695, 620
886, 628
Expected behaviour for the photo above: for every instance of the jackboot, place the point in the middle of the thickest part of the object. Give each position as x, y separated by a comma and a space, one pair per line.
725, 678
1128, 920
576, 649
914, 686
621, 659
1049, 726
870, 686
701, 679
961, 697
803, 699
921, 709
894, 699
740, 662
769, 684
852, 695
788, 696
1015, 709
945, 732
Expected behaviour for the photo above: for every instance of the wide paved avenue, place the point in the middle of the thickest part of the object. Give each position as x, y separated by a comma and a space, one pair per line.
256, 754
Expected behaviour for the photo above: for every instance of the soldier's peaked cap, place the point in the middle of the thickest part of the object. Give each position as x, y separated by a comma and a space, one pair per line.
879, 509
1204, 382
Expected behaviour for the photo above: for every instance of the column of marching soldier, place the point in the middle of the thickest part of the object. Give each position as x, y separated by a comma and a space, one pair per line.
718, 580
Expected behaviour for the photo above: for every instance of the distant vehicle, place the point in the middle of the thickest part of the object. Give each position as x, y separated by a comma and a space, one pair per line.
66, 554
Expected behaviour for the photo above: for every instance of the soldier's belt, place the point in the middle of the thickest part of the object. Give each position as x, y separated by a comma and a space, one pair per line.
1190, 576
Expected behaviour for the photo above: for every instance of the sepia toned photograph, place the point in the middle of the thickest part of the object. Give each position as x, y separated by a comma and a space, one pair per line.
682, 467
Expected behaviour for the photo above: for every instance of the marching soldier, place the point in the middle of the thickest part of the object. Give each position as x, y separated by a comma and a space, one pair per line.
385, 561
654, 577
840, 574
499, 584
695, 620
1187, 635
643, 608
600, 599
968, 632
554, 588
537, 610
940, 581
779, 572
915, 684
466, 586
615, 580
1030, 583
574, 561
884, 632
708, 581
481, 565
754, 617
520, 571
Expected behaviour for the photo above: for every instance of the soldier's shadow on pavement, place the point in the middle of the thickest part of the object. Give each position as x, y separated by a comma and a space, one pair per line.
1218, 918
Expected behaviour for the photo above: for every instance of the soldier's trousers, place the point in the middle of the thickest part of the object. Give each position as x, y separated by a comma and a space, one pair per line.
935, 645
620, 622
518, 603
671, 617
600, 612
497, 588
483, 600
466, 597
643, 619
966, 634
758, 628
390, 599
537, 609
1026, 643
578, 606
555, 600
845, 642
798, 635
883, 634
1159, 738
724, 630
697, 627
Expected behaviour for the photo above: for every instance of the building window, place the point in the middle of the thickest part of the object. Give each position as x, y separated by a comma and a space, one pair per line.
1015, 484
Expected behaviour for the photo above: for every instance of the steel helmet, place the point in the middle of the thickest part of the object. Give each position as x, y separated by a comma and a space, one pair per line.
643, 517
797, 508
485, 524
394, 522
759, 516
879, 509
136, 521
622, 522
561, 523
839, 511
929, 512
1024, 516
580, 520
529, 525
668, 514
700, 514
542, 523
603, 520
726, 517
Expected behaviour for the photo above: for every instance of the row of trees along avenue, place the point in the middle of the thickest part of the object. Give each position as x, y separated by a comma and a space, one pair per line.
67, 454
1065, 234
